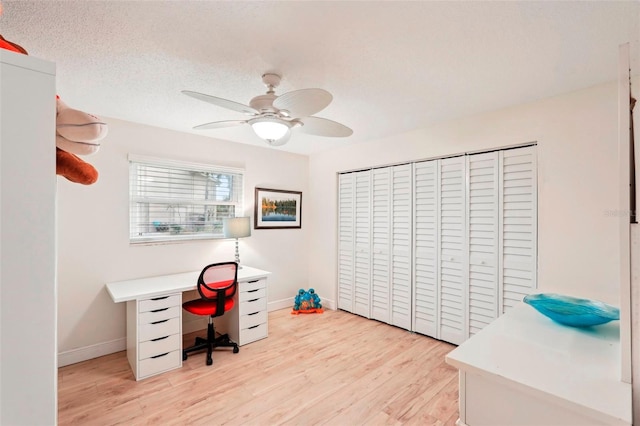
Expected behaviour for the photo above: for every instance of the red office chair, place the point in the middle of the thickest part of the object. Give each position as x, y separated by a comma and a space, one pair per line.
217, 284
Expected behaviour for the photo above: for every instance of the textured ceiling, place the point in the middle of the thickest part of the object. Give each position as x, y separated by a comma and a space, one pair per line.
391, 66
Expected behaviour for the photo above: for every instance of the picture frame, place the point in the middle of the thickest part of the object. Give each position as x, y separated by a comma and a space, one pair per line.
277, 209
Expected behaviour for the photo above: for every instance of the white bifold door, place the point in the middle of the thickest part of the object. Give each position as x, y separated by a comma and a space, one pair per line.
401, 254
483, 239
346, 258
441, 247
375, 240
354, 242
518, 207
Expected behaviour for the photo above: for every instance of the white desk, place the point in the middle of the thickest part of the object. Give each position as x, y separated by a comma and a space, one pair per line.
154, 316
524, 369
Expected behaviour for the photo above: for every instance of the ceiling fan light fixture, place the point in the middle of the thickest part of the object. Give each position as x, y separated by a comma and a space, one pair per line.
273, 130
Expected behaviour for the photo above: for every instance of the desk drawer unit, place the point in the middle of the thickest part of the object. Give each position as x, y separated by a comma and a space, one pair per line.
154, 335
248, 320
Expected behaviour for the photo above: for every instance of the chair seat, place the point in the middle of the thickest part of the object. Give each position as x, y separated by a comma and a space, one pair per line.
205, 307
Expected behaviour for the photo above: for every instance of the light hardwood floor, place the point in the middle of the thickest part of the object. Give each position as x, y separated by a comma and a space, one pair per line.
322, 369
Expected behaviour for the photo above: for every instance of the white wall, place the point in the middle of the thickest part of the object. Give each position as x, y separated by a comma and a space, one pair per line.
577, 177
93, 227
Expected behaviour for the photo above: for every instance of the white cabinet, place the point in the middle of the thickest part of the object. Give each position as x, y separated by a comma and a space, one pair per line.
526, 370
441, 247
154, 335
250, 323
28, 289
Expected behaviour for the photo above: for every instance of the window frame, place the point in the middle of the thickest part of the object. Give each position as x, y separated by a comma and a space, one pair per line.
179, 166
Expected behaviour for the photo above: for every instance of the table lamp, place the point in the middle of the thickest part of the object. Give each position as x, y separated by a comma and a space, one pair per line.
237, 227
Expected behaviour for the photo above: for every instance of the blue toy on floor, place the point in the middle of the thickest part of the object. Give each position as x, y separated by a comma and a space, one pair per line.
307, 302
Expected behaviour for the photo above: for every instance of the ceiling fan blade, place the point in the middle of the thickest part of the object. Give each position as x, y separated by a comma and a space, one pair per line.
304, 102
323, 127
219, 124
224, 103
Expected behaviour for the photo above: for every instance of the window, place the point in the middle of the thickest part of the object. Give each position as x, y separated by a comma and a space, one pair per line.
174, 201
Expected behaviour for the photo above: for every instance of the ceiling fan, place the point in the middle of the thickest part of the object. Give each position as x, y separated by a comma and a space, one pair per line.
273, 117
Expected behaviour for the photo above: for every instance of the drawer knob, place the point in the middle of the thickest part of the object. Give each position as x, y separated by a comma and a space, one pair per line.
161, 355
160, 298
253, 327
255, 313
159, 338
253, 300
159, 310
160, 322
253, 291
251, 282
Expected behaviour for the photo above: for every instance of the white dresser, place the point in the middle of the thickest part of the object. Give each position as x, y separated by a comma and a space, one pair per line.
524, 369
154, 316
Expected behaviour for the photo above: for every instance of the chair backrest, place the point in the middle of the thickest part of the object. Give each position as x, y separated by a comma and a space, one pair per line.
218, 281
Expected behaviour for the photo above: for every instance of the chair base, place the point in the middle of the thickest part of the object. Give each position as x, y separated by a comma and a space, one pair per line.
210, 343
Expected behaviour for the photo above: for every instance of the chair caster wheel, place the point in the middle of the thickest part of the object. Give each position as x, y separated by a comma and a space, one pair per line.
184, 356
209, 361
235, 350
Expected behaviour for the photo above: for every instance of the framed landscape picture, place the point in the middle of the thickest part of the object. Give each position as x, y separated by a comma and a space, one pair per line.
276, 209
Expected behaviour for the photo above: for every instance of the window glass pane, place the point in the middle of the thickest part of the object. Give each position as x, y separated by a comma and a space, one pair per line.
178, 203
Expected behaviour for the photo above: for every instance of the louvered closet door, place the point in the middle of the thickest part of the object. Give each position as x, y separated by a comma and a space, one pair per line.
362, 240
483, 231
380, 238
453, 258
401, 230
518, 216
425, 281
346, 256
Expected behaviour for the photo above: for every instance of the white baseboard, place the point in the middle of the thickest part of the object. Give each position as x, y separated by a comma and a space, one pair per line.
101, 349
329, 304
280, 304
288, 303
94, 351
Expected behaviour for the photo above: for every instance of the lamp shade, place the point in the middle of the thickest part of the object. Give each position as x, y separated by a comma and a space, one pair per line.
236, 227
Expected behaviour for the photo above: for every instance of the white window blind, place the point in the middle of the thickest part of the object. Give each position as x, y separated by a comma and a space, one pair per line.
173, 201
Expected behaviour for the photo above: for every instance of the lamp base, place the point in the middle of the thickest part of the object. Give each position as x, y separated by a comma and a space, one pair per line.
238, 255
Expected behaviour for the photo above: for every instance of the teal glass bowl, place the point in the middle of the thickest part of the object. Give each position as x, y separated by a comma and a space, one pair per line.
572, 311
